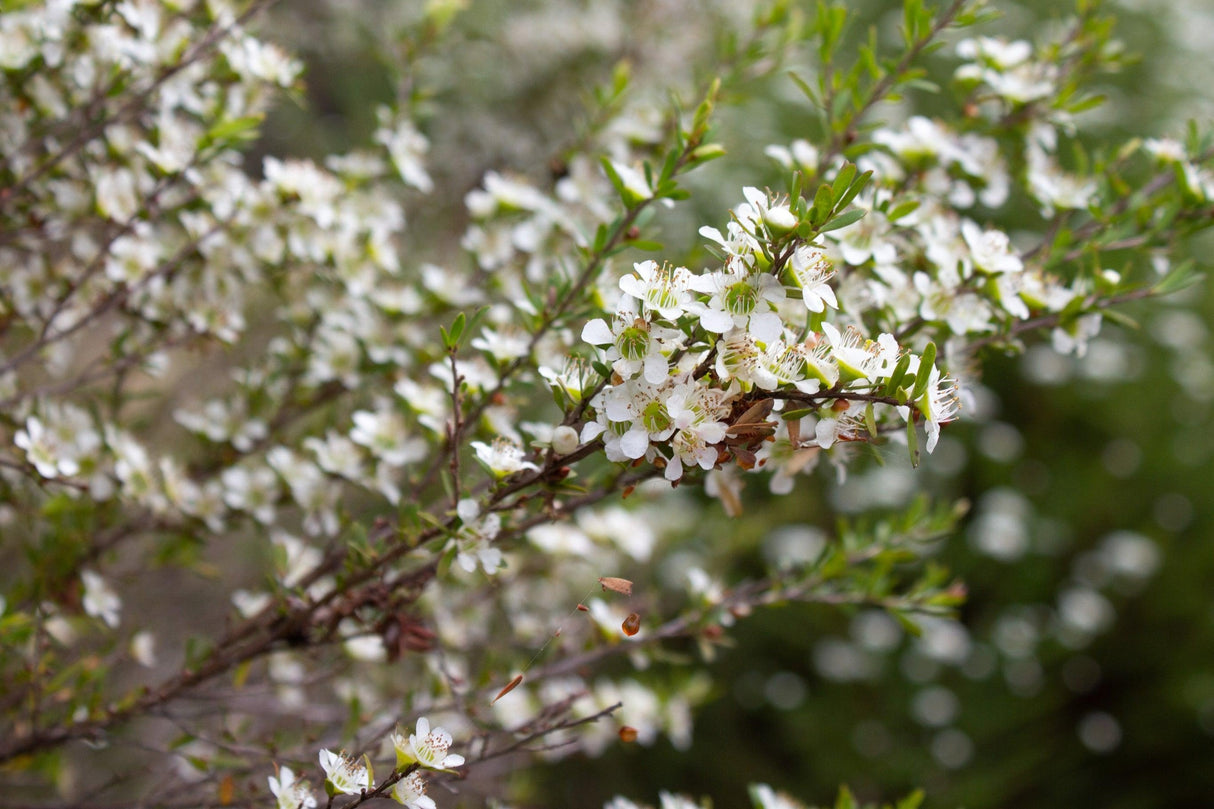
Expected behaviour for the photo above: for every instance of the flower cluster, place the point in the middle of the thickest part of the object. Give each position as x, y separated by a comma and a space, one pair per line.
425, 749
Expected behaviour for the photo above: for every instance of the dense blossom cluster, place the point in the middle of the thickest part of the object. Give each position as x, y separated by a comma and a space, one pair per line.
199, 355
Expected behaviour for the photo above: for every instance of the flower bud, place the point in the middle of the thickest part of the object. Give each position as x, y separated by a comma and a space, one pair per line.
780, 219
564, 440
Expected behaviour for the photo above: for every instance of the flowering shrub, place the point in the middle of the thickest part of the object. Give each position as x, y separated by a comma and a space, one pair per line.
287, 472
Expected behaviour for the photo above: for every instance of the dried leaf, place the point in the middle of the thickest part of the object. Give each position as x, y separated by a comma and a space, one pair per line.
616, 585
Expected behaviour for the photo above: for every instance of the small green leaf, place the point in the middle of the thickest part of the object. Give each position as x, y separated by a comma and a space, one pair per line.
842, 183
843, 220
895, 379
926, 363
902, 209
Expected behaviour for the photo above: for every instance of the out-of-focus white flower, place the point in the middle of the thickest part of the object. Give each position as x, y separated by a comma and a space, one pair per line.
100, 600
143, 648
503, 458
291, 792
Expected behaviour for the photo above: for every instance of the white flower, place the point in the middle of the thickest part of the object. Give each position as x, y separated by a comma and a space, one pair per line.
384, 433
663, 289
775, 214
739, 299
1073, 338
502, 457
407, 147
100, 601
859, 358
635, 342
41, 451
427, 747
575, 374
990, 249
811, 270
411, 791
292, 793
473, 540
636, 187
344, 774
938, 404
143, 648
764, 797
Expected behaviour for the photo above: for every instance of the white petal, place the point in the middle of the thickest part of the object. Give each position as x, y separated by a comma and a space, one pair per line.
634, 443
597, 333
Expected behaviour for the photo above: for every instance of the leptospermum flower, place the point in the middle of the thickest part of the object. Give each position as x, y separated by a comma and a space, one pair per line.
635, 343
740, 299
411, 791
343, 774
938, 404
811, 269
427, 747
292, 792
502, 457
663, 289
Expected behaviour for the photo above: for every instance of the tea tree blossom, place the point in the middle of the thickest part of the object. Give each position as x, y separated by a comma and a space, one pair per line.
427, 747
502, 458
266, 370
663, 289
411, 792
291, 792
100, 600
343, 774
811, 270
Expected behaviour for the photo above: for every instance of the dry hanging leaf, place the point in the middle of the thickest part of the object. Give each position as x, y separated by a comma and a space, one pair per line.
510, 686
622, 586
631, 625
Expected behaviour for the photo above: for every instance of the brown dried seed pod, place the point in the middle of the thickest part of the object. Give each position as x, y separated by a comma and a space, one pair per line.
510, 686
632, 624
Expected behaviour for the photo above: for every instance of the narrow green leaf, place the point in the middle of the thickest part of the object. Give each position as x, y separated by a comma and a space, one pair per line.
842, 183
895, 379
857, 186
902, 209
926, 363
844, 219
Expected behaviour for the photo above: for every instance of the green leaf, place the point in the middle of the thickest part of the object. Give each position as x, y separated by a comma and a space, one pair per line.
857, 186
844, 219
808, 91
895, 379
1183, 276
1121, 319
912, 440
926, 363
233, 131
824, 203
902, 209
842, 183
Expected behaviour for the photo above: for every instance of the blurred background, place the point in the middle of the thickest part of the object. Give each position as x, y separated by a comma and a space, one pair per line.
1082, 670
